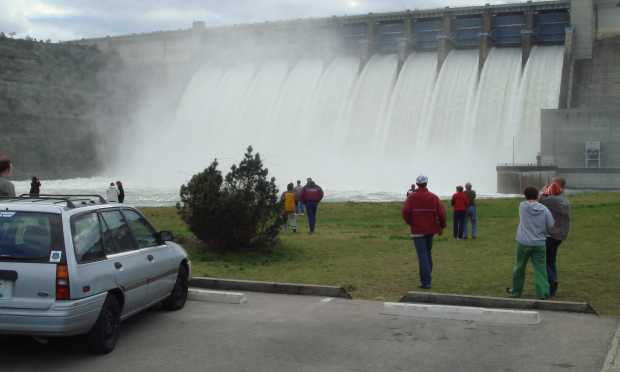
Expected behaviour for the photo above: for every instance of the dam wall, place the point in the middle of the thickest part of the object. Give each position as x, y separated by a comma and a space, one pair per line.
481, 27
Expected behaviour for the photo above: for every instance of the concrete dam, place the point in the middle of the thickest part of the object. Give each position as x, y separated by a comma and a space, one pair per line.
364, 102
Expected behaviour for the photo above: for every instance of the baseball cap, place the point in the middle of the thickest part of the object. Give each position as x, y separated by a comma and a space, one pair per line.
421, 179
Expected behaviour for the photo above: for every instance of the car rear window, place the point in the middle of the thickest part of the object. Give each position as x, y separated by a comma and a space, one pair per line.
30, 236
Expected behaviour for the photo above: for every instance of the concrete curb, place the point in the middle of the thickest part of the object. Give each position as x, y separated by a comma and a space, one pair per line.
467, 313
497, 302
612, 362
217, 296
269, 287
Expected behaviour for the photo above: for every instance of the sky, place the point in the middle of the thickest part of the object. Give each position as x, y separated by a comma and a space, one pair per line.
61, 20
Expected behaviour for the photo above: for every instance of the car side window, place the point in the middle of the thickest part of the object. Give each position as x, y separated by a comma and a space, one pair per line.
117, 233
87, 241
109, 242
143, 232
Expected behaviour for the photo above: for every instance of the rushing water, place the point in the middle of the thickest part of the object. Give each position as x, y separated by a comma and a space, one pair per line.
145, 195
372, 130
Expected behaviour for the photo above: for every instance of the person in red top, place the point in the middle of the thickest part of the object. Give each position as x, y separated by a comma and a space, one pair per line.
311, 196
425, 214
460, 202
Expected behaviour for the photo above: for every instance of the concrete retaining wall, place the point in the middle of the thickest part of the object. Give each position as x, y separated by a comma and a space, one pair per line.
565, 132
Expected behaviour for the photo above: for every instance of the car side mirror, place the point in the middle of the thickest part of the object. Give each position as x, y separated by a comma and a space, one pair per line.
165, 236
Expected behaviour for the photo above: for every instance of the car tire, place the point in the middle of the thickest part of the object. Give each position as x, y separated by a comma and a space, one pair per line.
103, 336
178, 297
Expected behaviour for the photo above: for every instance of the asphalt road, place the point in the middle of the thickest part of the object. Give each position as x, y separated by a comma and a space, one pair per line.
296, 333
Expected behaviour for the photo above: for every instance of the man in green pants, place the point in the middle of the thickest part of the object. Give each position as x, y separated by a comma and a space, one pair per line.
535, 223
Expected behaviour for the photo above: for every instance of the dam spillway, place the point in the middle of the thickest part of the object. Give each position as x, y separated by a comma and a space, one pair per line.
372, 102
337, 123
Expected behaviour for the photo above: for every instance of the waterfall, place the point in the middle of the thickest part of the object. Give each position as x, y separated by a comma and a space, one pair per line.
373, 130
540, 89
327, 110
496, 104
409, 105
278, 138
368, 105
223, 123
262, 98
444, 128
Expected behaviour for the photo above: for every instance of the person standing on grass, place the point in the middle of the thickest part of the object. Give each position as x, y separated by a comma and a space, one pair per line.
411, 190
112, 193
121, 191
425, 215
535, 224
299, 206
471, 212
7, 189
555, 200
288, 198
459, 206
311, 196
35, 187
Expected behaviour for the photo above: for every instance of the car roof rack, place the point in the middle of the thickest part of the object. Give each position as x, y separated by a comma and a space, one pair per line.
72, 200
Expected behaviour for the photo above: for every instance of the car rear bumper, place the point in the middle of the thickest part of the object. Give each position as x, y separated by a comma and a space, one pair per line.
64, 318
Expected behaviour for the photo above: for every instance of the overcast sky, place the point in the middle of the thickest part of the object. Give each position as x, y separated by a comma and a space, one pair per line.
74, 19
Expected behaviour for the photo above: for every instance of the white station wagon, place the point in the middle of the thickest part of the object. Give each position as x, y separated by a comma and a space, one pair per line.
74, 264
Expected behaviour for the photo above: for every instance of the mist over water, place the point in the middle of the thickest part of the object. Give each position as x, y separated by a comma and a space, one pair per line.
357, 133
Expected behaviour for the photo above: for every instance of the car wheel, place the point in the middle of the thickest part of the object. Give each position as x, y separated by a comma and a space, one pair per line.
178, 297
104, 334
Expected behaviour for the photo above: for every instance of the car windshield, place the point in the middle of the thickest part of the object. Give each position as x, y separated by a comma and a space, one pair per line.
29, 236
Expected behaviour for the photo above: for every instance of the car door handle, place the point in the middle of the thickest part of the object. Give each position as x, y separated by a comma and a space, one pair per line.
150, 257
118, 265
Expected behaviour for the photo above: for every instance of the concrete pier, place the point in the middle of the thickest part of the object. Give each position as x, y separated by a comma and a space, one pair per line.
445, 40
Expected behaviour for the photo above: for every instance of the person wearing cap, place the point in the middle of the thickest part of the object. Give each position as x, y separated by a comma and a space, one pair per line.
471, 212
426, 216
7, 189
311, 196
555, 200
112, 193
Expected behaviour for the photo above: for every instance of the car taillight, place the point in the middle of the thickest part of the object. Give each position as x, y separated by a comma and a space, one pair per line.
62, 282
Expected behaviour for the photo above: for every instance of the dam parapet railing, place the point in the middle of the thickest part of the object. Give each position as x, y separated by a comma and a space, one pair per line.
440, 30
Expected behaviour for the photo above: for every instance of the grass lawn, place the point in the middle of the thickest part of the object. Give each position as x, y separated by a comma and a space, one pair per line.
366, 248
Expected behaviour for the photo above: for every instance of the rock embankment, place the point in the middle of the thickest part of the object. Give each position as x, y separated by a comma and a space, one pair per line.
57, 102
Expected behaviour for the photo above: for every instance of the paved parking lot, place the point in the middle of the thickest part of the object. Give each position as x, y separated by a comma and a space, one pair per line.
296, 333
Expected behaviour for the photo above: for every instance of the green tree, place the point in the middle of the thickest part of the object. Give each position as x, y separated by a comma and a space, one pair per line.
240, 210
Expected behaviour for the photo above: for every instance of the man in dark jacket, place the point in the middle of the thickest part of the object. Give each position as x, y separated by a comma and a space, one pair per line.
471, 211
555, 200
311, 196
425, 214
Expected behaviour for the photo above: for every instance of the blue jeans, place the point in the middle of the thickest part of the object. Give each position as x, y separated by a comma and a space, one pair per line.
470, 214
423, 246
459, 224
299, 207
311, 213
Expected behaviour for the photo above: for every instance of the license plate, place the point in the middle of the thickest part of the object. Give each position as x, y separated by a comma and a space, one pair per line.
6, 289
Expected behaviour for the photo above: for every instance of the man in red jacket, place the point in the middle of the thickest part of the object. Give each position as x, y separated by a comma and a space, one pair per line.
425, 214
311, 196
460, 202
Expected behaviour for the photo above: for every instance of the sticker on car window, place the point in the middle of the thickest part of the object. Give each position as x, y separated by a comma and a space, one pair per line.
6, 214
55, 256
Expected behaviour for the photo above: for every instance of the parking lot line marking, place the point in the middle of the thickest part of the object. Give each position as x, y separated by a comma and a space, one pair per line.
327, 299
478, 314
612, 362
217, 296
